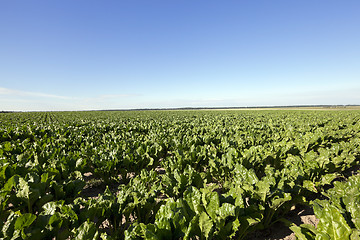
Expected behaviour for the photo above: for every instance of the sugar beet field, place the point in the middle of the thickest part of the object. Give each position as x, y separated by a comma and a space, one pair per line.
179, 174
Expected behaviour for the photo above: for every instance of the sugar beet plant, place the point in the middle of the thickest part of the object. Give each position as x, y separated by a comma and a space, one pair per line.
176, 174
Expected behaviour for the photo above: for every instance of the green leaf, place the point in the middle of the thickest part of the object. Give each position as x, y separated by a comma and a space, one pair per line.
211, 202
277, 201
68, 213
192, 196
236, 192
149, 231
304, 232
164, 216
55, 221
352, 204
262, 190
193, 228
309, 185
5, 172
322, 236
298, 232
24, 221
142, 231
355, 235
50, 208
7, 147
235, 227
310, 228
73, 188
80, 163
59, 190
245, 175
9, 225
205, 224
44, 199
226, 210
11, 183
86, 231
328, 178
331, 224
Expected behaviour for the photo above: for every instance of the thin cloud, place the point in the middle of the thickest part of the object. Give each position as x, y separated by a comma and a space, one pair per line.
106, 98
18, 93
11, 99
109, 96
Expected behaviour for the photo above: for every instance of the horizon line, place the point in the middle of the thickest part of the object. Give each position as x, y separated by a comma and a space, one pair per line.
197, 108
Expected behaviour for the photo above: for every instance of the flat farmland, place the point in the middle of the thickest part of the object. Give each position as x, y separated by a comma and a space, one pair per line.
209, 174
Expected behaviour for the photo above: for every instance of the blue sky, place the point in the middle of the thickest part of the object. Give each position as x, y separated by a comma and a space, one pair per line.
80, 55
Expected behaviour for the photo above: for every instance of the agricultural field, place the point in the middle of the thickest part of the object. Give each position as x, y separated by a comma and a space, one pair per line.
178, 174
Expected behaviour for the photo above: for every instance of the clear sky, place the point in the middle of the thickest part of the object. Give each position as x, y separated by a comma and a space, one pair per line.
87, 54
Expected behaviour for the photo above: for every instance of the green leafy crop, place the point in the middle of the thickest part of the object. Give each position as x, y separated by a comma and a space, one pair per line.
177, 174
